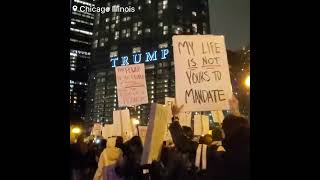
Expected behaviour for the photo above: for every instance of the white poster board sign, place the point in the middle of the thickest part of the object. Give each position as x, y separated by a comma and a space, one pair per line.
142, 133
217, 116
201, 72
122, 124
131, 85
107, 131
185, 119
155, 133
201, 124
96, 130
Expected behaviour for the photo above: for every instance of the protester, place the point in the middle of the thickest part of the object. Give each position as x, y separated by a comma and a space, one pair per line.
109, 156
236, 144
92, 164
78, 158
231, 164
129, 167
119, 143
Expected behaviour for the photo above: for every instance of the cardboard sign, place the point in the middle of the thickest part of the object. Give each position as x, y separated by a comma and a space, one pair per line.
96, 130
142, 133
217, 116
201, 124
201, 72
185, 119
107, 131
155, 133
122, 124
131, 85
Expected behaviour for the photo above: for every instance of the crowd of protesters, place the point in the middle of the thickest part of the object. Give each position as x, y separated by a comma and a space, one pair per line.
223, 155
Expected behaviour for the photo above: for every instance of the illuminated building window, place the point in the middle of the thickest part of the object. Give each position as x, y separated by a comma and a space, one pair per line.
74, 101
101, 43
107, 19
95, 43
163, 45
160, 24
116, 35
114, 54
179, 7
139, 32
165, 4
128, 33
177, 29
194, 13
194, 27
148, 1
147, 30
136, 49
165, 30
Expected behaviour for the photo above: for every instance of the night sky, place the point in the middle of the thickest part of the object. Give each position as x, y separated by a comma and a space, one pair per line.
231, 18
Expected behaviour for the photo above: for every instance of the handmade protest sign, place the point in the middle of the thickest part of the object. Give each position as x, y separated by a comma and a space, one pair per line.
142, 133
217, 116
122, 124
185, 119
131, 85
107, 131
96, 130
155, 133
201, 124
201, 72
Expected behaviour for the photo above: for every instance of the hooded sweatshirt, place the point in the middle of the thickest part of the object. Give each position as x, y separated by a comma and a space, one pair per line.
109, 156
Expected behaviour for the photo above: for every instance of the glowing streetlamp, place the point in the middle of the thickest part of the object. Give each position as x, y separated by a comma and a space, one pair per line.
136, 122
76, 130
247, 81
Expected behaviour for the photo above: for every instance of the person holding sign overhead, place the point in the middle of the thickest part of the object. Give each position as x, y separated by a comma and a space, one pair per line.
210, 162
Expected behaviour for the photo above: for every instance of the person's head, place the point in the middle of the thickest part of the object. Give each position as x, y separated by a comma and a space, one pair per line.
216, 134
187, 131
207, 139
231, 124
119, 141
80, 138
134, 149
103, 144
237, 132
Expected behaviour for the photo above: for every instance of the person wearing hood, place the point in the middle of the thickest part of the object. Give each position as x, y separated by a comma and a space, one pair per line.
108, 157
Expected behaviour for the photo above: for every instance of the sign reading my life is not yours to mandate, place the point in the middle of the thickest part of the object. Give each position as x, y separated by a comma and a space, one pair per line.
131, 85
201, 72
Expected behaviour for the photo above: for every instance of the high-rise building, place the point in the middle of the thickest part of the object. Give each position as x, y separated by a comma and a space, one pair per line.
81, 28
142, 36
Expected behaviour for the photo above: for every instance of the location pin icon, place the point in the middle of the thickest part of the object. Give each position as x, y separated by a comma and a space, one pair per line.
74, 8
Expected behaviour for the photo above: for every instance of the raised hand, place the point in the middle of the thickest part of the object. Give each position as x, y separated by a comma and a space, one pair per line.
176, 110
234, 106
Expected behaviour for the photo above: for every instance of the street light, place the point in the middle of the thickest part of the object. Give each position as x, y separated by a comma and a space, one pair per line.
247, 81
76, 130
136, 122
